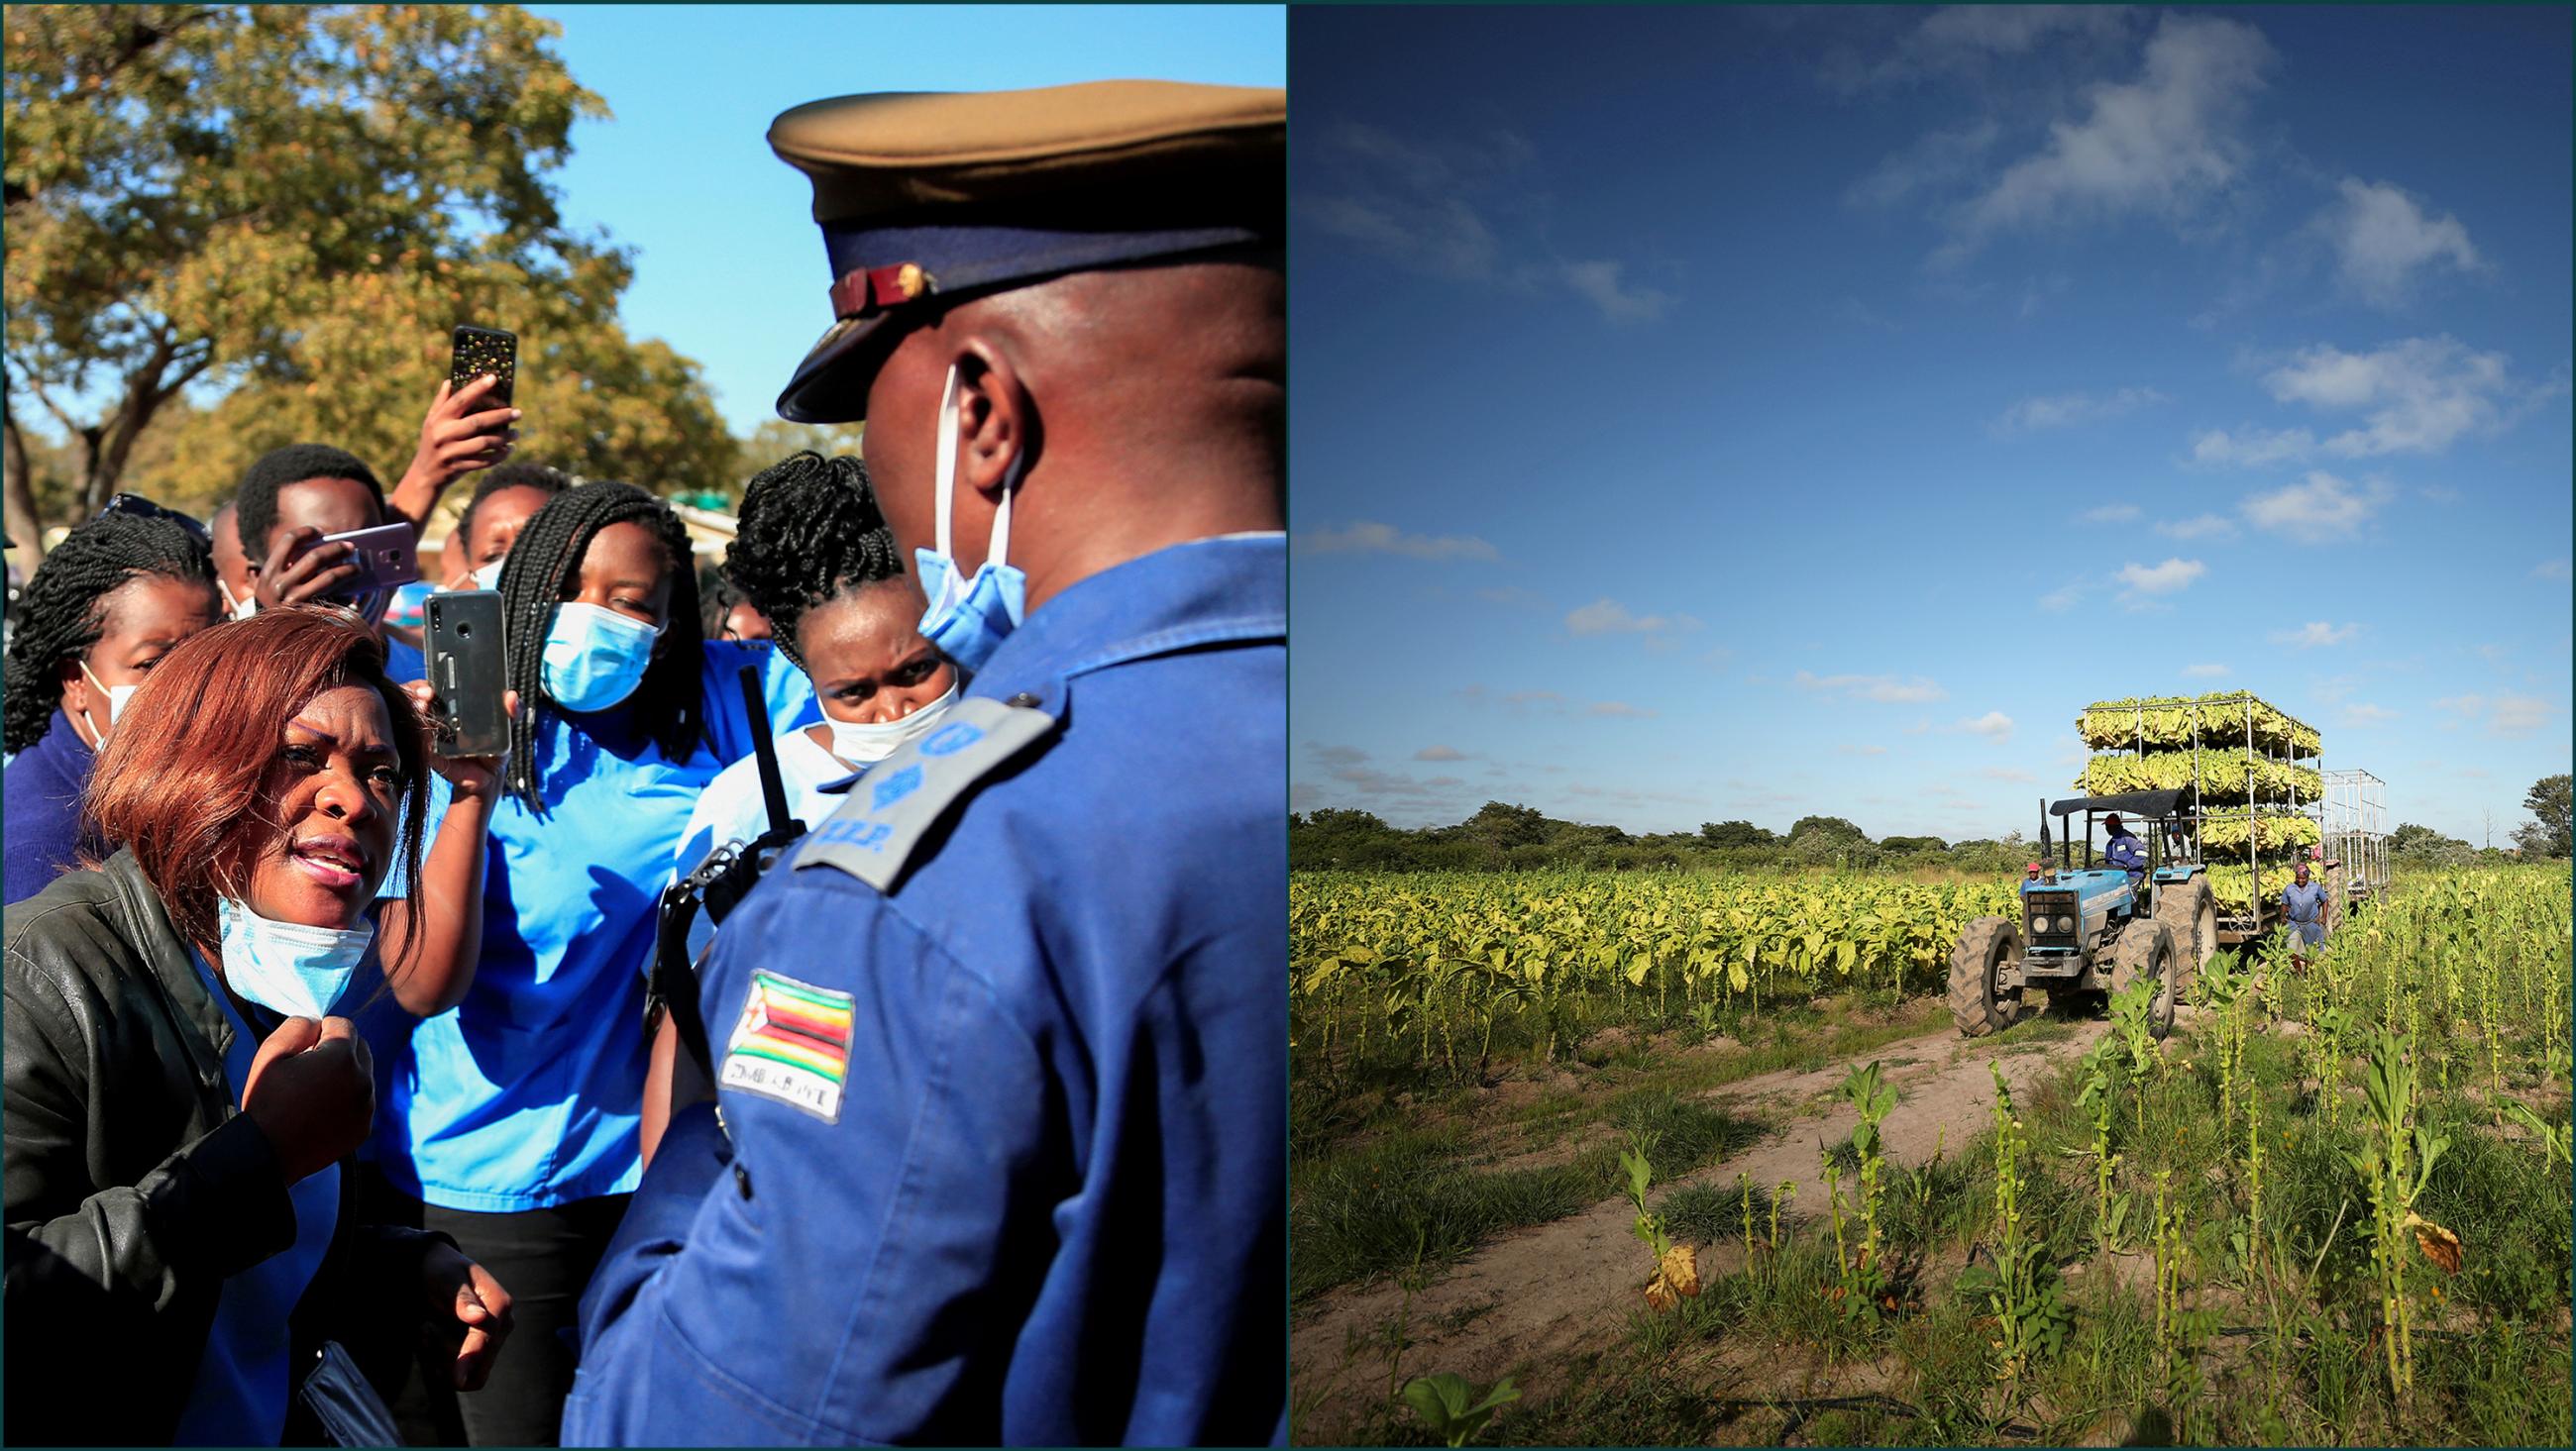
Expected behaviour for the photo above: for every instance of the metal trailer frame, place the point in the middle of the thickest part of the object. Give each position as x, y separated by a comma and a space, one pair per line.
2238, 927
2356, 829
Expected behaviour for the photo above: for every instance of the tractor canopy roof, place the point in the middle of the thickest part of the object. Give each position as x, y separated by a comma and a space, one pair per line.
2150, 804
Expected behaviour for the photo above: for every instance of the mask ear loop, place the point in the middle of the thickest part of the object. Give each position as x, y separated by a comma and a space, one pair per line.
96, 736
997, 550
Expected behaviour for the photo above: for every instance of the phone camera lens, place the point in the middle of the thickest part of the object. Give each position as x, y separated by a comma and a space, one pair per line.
464, 631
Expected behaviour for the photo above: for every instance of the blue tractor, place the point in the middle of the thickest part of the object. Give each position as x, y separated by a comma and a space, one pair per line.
2088, 931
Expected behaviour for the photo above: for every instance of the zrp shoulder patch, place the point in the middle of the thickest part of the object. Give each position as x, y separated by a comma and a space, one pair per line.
888, 811
792, 1043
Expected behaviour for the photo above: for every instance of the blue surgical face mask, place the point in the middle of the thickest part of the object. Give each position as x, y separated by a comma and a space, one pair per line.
862, 745
287, 967
969, 615
594, 657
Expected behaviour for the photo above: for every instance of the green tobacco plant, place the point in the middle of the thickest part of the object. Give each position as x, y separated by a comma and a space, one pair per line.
1454, 1408
2022, 1288
2394, 1163
2129, 1021
1676, 1265
2100, 1098
1865, 1280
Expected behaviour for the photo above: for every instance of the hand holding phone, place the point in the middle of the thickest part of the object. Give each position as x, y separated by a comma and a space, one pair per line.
468, 674
482, 352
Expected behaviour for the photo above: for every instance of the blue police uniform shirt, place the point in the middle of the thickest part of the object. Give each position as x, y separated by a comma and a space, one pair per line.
527, 1094
40, 808
239, 1396
1048, 1204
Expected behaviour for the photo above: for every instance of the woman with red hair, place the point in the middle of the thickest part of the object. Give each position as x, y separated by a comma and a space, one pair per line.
182, 1078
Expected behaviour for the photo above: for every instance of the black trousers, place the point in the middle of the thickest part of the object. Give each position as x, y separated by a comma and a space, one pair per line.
544, 1258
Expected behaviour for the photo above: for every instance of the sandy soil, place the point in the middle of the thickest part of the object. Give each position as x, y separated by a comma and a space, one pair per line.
1542, 1293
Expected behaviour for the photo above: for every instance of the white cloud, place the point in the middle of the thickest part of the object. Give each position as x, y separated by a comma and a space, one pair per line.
1621, 709
2068, 410
2550, 569
2160, 145
1886, 689
1369, 538
1862, 750
2319, 508
2199, 526
2506, 715
1608, 616
2210, 672
2113, 514
2440, 493
2006, 773
1440, 753
1599, 283
1935, 159
2416, 396
2365, 715
2381, 236
2063, 598
1994, 725
2161, 579
2251, 447
1467, 211
2314, 634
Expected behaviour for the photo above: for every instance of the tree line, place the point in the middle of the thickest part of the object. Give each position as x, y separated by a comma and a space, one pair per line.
1501, 836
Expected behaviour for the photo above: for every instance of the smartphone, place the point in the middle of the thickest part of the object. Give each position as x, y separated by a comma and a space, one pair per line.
386, 556
468, 681
481, 351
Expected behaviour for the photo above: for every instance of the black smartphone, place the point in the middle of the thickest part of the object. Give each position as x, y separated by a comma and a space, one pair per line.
481, 351
468, 677
384, 556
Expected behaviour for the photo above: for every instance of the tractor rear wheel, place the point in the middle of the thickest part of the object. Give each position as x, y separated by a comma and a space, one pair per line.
2192, 913
1979, 1002
2150, 950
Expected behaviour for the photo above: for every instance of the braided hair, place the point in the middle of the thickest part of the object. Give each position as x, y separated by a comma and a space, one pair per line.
544, 478
543, 563
63, 611
256, 500
810, 532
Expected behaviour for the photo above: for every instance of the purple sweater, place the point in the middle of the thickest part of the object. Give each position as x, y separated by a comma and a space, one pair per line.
40, 809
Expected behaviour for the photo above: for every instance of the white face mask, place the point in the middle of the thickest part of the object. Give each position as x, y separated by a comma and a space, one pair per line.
863, 745
489, 576
117, 696
239, 609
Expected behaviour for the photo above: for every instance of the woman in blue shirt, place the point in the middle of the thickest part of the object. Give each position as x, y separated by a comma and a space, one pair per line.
116, 595
813, 555
513, 1117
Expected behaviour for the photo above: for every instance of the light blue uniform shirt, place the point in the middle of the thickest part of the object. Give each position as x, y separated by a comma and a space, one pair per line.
528, 1094
2306, 906
240, 1393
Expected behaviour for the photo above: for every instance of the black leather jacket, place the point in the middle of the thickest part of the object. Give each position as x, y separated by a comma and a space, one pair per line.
134, 1187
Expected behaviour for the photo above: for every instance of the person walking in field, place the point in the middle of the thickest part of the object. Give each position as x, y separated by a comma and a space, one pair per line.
2305, 902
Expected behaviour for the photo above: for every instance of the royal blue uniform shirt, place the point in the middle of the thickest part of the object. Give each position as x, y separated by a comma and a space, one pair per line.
41, 801
1019, 1176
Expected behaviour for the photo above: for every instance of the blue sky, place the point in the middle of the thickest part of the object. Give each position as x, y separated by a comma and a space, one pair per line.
729, 266
1704, 414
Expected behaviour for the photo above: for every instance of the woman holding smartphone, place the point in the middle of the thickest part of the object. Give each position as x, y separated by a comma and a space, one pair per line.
514, 1118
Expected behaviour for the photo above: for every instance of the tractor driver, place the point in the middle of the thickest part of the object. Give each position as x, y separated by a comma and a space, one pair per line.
2121, 849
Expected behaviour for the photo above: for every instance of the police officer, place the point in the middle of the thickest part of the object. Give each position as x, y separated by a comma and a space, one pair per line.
1000, 1048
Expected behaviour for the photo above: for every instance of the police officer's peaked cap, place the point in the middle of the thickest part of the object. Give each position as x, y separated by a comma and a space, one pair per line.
927, 198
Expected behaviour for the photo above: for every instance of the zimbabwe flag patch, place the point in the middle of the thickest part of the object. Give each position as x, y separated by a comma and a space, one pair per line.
792, 1044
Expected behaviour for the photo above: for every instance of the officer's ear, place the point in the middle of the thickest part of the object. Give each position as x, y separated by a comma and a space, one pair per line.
997, 418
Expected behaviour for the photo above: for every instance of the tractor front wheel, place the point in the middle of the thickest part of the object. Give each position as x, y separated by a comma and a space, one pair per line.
2149, 950
1981, 1002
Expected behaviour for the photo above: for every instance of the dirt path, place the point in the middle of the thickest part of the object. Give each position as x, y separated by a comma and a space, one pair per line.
1544, 1292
